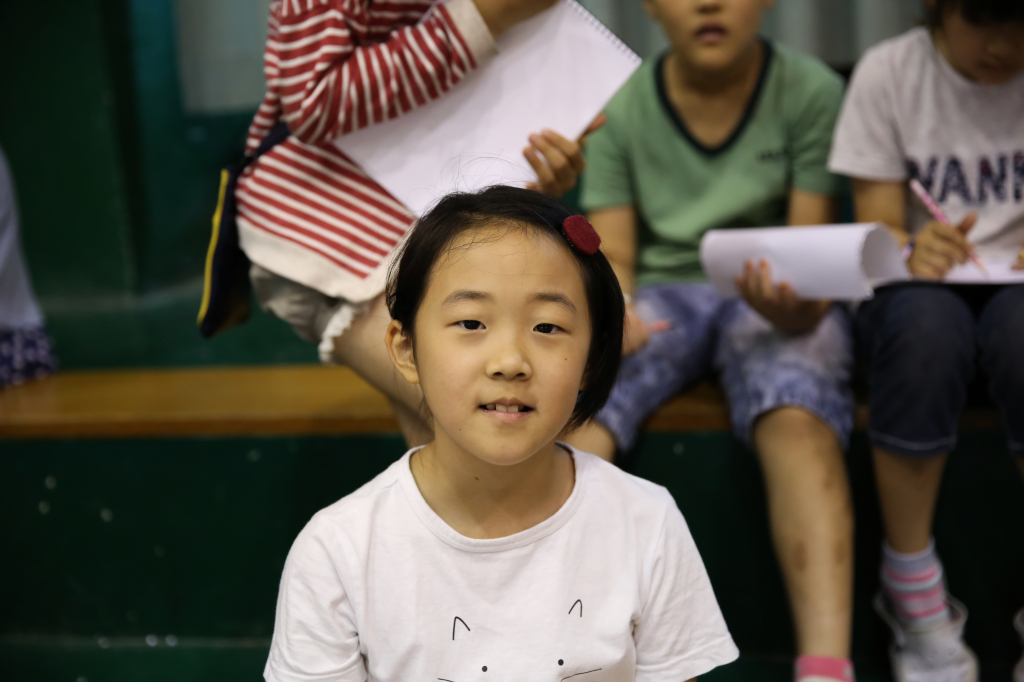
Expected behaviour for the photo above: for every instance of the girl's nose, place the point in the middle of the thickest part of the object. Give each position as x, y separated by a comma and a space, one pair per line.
508, 361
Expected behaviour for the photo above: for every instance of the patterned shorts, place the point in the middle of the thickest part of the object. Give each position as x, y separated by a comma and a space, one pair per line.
760, 368
25, 355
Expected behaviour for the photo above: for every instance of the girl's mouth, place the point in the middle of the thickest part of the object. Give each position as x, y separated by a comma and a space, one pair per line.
506, 409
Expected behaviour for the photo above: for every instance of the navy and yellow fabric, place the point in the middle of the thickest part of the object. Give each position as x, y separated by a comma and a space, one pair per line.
226, 288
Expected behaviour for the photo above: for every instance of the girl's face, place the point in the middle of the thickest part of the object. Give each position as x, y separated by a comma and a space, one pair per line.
991, 54
501, 343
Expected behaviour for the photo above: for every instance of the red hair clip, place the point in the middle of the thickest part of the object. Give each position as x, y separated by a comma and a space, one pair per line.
581, 234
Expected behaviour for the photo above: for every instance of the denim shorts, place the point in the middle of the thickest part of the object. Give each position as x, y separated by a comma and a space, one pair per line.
922, 345
760, 368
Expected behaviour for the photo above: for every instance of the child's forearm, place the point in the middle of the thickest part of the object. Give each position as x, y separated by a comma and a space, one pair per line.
329, 85
617, 229
882, 201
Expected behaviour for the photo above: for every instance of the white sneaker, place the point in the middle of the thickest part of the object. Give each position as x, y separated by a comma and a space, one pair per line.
1018, 623
933, 654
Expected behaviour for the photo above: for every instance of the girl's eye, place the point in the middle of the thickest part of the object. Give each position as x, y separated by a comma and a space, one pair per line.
471, 325
546, 328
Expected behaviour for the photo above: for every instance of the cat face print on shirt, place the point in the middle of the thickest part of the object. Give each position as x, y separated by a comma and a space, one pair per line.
485, 655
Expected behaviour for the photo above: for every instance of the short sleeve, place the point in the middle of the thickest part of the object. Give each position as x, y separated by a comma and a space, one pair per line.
315, 636
811, 133
866, 142
607, 181
681, 633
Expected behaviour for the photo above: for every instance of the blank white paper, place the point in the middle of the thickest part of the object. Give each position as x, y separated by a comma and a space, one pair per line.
999, 272
835, 262
556, 70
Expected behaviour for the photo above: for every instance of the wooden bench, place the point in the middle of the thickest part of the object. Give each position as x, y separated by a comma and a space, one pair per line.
264, 400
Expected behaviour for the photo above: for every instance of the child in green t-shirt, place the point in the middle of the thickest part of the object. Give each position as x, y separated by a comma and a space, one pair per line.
728, 130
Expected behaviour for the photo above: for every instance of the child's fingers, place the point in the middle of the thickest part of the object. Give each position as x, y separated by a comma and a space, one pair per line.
747, 281
932, 265
947, 252
545, 177
951, 242
556, 160
570, 149
787, 296
969, 221
1019, 265
768, 291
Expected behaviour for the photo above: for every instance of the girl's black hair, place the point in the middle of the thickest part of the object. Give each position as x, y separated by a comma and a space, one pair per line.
517, 208
978, 12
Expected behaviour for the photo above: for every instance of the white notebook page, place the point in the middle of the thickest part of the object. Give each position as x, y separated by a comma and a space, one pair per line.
837, 262
556, 71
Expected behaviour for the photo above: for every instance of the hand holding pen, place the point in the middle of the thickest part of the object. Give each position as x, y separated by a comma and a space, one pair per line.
940, 244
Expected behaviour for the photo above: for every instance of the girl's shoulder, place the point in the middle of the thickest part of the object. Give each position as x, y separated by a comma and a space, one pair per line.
356, 512
638, 500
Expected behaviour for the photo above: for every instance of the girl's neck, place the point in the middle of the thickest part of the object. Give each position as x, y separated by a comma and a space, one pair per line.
737, 77
483, 501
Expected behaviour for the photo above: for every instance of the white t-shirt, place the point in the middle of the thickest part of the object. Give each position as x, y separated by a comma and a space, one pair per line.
908, 113
609, 589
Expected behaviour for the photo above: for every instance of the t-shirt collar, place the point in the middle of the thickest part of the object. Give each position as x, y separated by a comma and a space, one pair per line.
748, 112
449, 535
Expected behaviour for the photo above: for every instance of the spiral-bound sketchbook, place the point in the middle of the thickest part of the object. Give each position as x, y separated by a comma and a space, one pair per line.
556, 71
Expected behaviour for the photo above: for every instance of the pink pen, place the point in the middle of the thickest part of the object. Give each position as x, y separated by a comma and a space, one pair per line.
918, 189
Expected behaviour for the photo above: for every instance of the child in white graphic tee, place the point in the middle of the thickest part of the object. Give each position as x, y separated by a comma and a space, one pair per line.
496, 553
942, 104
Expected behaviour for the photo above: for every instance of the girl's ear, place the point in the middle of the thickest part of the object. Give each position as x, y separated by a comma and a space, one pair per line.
399, 345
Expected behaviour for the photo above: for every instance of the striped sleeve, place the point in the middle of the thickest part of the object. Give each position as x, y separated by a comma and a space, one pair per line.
331, 76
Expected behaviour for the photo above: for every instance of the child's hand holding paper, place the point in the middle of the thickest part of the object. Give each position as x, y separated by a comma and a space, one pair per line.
778, 304
558, 162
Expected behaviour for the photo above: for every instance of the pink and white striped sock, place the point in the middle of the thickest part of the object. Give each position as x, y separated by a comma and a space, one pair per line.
823, 669
915, 586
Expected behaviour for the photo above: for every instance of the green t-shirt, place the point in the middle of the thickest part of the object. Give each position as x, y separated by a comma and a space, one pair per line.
645, 157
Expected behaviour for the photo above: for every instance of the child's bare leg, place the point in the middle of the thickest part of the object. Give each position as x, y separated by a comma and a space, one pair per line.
594, 438
907, 491
361, 347
812, 525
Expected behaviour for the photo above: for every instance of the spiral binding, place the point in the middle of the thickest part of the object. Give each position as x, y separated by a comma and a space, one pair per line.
602, 29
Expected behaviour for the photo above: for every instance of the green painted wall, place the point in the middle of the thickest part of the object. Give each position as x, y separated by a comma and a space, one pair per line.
180, 155
198, 529
58, 128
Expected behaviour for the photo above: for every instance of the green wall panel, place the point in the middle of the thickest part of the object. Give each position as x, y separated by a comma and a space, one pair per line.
127, 538
181, 154
160, 331
58, 128
184, 537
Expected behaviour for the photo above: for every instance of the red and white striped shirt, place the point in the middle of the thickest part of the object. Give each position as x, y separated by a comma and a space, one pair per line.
305, 210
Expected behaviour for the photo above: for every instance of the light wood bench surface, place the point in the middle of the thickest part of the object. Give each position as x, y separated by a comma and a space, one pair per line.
264, 400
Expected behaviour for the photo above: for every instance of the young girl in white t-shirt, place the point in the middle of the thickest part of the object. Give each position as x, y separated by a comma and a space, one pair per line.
497, 553
943, 104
